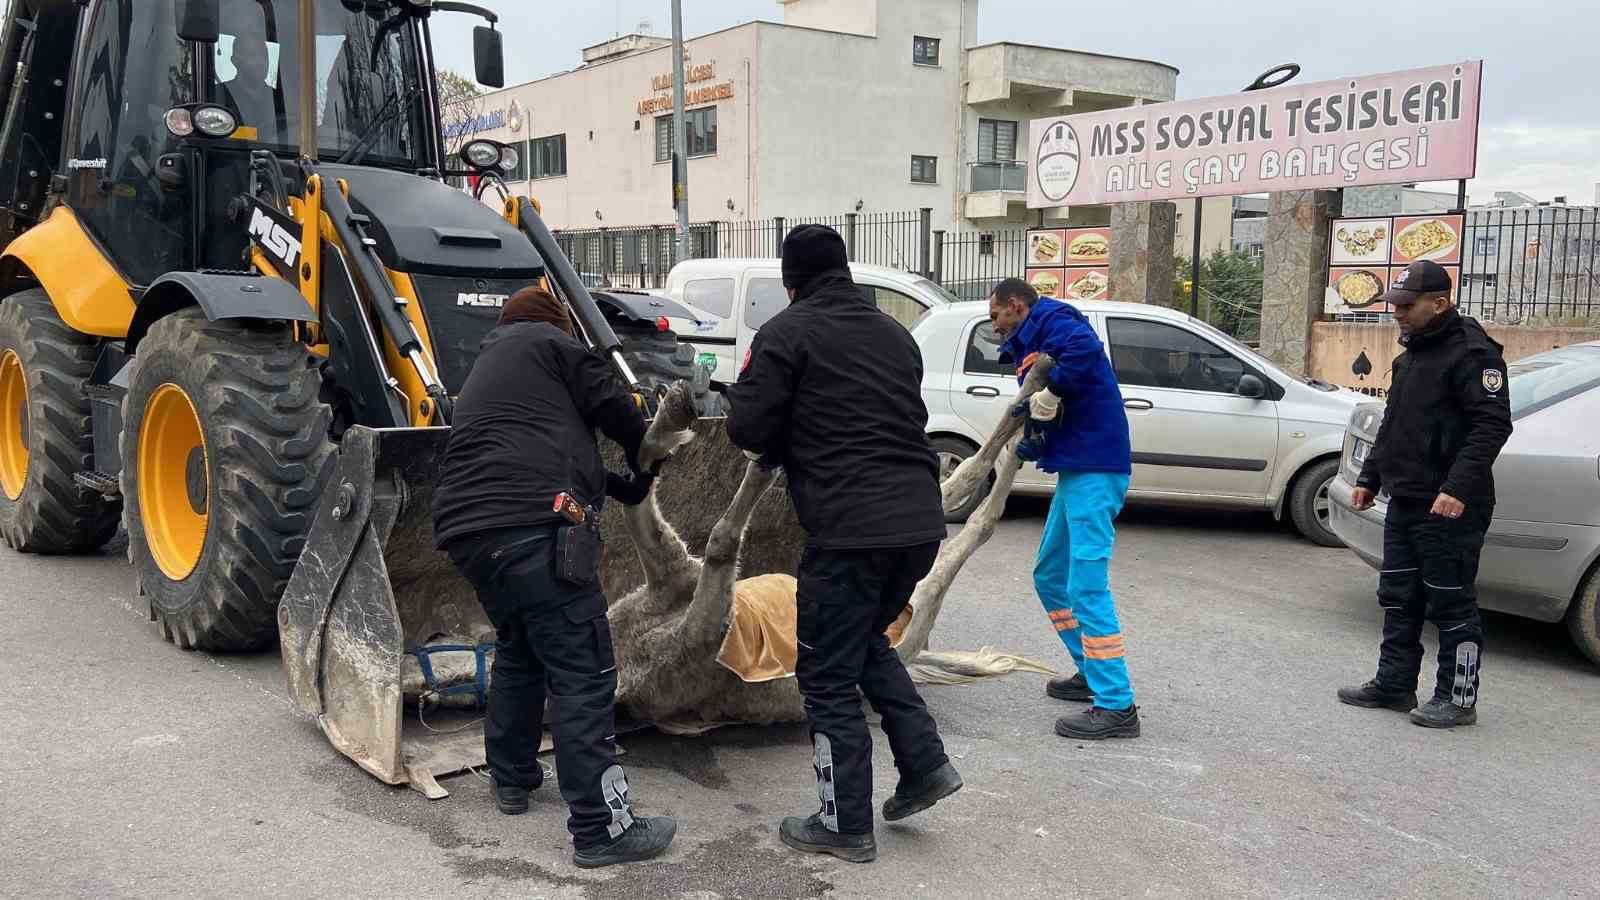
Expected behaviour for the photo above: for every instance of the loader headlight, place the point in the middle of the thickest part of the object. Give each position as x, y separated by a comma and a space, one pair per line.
209, 120
509, 157
481, 154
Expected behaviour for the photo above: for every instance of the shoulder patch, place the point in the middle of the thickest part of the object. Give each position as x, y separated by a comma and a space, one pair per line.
1493, 380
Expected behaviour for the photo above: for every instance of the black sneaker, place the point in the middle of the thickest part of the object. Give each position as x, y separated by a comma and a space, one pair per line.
644, 839
1438, 713
512, 799
1075, 688
809, 835
1371, 696
1096, 724
921, 793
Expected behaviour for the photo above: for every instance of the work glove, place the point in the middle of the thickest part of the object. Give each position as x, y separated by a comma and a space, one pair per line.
1044, 406
630, 489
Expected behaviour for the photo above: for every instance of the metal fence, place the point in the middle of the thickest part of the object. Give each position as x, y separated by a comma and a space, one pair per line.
1534, 264
641, 257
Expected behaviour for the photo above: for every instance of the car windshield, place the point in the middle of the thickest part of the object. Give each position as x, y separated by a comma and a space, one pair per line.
1549, 378
253, 73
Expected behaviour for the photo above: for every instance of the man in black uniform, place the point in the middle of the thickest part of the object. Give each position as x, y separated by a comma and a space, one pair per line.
523, 435
832, 391
1448, 415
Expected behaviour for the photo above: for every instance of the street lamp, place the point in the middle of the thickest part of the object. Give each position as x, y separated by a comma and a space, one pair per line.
1271, 78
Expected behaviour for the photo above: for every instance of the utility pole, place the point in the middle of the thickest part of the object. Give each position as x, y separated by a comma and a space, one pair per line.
680, 143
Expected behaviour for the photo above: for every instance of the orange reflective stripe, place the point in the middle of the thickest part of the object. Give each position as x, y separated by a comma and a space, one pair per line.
1027, 363
1066, 626
1064, 619
1108, 647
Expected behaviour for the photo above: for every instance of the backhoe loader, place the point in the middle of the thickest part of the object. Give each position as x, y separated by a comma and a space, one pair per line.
237, 298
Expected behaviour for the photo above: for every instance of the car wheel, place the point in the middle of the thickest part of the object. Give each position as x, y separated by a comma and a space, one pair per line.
952, 453
1583, 617
1310, 506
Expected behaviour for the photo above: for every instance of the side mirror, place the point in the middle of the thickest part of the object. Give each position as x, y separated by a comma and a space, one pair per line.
488, 57
200, 20
1251, 387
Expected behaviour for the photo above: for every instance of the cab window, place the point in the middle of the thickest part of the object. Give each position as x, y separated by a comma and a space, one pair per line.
1155, 354
982, 356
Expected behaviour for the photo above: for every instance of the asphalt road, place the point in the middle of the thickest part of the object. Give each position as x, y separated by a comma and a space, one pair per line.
129, 768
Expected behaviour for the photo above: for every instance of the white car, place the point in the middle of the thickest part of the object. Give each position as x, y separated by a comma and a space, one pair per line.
733, 298
1212, 422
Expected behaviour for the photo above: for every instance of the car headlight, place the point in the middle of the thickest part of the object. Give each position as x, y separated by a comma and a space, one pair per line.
483, 155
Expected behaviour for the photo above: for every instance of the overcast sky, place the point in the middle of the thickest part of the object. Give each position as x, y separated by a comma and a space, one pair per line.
1540, 131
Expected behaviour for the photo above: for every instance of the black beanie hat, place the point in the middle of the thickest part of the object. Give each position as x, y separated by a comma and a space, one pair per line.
809, 251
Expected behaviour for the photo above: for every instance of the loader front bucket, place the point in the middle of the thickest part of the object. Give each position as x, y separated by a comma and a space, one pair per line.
370, 589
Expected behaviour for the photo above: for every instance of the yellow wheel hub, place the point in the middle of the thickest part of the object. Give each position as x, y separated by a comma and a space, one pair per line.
13, 425
174, 487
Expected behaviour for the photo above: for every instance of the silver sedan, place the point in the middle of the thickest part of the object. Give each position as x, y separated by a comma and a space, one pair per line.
1540, 557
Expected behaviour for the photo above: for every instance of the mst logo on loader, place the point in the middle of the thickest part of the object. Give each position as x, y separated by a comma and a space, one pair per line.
493, 301
277, 237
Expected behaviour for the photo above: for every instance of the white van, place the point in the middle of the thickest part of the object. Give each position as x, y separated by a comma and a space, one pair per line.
735, 297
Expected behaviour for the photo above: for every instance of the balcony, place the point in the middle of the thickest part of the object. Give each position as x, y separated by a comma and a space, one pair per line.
997, 175
1050, 80
993, 188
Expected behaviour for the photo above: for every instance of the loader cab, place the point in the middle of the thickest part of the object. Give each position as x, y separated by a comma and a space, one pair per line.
151, 186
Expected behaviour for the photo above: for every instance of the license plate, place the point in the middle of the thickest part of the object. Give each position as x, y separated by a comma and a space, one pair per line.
1358, 453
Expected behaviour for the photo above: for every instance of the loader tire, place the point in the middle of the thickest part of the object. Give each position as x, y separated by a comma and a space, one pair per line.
224, 448
45, 438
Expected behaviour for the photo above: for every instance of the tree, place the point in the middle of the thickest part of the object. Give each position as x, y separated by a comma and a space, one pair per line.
1230, 292
460, 100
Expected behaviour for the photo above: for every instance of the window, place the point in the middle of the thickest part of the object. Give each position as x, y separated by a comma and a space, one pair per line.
133, 68
520, 172
546, 157
925, 51
1154, 354
903, 309
997, 140
1486, 245
925, 169
768, 297
986, 244
1542, 381
699, 133
714, 295
983, 353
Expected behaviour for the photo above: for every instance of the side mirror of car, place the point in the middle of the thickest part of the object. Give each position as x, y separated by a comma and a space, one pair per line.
488, 57
1251, 387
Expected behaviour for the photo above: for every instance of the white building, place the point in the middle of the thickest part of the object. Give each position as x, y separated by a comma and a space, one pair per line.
847, 106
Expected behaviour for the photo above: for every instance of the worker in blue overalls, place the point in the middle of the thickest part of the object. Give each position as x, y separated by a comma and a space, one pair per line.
1079, 431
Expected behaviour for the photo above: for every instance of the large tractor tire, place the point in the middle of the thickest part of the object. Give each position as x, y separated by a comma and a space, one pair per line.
45, 437
224, 446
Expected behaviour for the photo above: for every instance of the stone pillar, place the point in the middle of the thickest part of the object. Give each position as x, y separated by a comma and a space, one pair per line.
1296, 275
1141, 252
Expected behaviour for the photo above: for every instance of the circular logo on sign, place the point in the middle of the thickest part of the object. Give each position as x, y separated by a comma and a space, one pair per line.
1057, 169
514, 117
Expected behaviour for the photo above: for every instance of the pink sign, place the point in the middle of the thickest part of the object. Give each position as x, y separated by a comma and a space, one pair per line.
1419, 125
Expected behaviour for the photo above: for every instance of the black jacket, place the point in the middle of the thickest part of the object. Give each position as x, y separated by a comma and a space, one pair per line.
833, 389
1448, 415
524, 432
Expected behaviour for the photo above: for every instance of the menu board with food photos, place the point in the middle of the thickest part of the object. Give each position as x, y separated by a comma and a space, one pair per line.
1367, 255
1069, 263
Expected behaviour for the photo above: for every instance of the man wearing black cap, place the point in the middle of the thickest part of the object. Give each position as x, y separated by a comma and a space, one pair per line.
522, 436
832, 391
1448, 415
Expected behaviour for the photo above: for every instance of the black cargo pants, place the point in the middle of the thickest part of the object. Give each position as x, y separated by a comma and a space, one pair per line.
553, 641
1430, 567
847, 598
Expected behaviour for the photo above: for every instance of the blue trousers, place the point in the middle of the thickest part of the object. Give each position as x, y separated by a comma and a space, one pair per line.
1072, 577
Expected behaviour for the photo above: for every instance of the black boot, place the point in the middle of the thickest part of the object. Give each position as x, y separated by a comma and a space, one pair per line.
1438, 713
1075, 688
1096, 724
512, 799
809, 835
1371, 696
644, 839
921, 793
